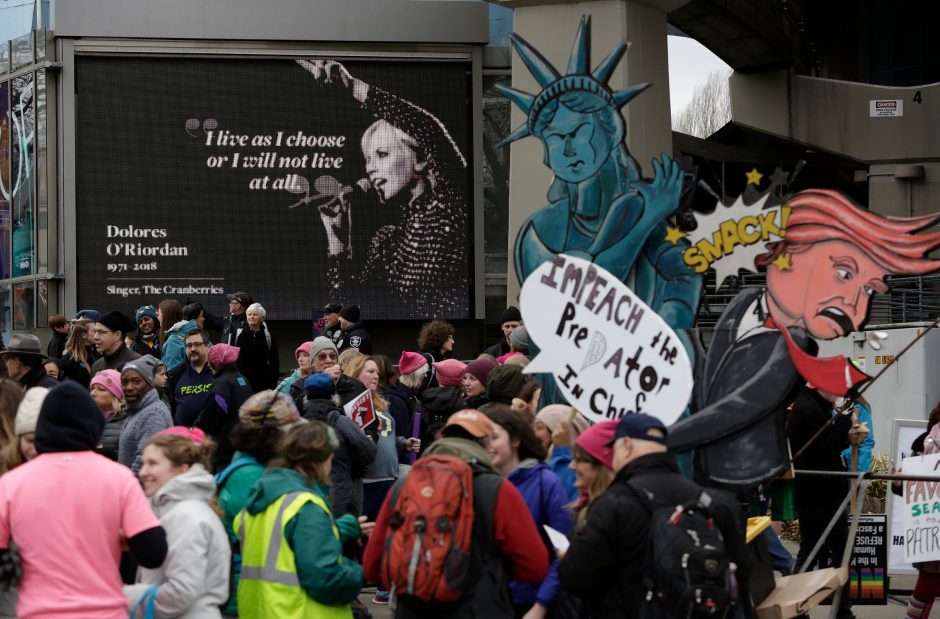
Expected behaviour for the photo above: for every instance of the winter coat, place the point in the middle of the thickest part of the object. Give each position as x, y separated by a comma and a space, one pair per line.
114, 361
355, 453
258, 361
558, 463
144, 419
230, 326
355, 336
74, 369
325, 575
436, 405
56, 345
287, 383
111, 437
37, 377
401, 411
233, 496
174, 346
604, 565
809, 413
513, 543
498, 349
347, 388
150, 346
229, 392
194, 578
547, 501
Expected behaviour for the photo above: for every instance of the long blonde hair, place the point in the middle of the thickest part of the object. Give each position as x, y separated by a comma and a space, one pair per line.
602, 480
355, 368
75, 344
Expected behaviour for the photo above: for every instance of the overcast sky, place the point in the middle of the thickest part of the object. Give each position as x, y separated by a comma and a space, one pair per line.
690, 64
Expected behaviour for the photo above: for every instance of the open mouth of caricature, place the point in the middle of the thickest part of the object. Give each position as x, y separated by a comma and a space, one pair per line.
839, 317
576, 166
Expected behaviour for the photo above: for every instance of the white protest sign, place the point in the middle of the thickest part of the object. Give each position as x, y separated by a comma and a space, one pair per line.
922, 509
609, 352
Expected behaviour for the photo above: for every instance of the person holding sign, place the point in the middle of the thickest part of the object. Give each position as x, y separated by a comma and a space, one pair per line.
410, 160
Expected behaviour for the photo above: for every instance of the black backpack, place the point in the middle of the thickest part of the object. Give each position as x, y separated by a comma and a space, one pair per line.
687, 570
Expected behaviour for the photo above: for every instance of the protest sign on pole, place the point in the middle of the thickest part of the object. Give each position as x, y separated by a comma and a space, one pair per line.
361, 409
609, 353
922, 509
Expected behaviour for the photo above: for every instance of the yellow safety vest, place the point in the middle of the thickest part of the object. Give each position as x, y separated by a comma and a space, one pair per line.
269, 585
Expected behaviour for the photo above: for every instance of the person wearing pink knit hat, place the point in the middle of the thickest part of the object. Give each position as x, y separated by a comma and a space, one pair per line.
592, 462
449, 372
105, 390
304, 368
413, 368
229, 391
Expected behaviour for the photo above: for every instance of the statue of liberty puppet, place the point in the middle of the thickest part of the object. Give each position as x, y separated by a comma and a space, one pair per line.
600, 208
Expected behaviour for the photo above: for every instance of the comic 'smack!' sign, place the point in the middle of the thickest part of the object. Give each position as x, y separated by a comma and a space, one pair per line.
729, 238
609, 352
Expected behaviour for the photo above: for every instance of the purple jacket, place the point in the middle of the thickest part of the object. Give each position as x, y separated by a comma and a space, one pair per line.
547, 501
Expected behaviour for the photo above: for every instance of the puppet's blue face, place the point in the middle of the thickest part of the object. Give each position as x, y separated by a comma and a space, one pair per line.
576, 146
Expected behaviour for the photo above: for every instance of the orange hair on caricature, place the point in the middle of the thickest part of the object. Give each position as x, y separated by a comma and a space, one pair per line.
891, 242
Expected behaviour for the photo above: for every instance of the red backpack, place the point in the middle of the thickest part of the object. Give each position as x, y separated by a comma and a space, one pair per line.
427, 552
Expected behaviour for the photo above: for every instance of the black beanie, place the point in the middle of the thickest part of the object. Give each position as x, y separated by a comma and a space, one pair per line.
350, 313
510, 314
116, 321
69, 420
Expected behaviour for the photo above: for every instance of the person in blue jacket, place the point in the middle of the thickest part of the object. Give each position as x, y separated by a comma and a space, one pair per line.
868, 445
518, 455
557, 436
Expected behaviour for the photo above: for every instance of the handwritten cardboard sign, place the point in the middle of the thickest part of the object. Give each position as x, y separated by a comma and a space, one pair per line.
609, 352
922, 509
361, 409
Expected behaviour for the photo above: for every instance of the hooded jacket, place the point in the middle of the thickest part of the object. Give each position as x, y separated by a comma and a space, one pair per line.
194, 579
325, 575
547, 501
436, 405
229, 391
355, 453
174, 346
400, 408
144, 419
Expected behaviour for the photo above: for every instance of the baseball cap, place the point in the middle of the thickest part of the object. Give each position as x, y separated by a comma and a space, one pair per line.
474, 422
638, 426
242, 297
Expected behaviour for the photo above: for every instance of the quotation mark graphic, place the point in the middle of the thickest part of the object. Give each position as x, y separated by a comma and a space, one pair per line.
192, 125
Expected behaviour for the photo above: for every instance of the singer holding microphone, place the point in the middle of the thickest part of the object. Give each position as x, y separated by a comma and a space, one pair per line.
409, 157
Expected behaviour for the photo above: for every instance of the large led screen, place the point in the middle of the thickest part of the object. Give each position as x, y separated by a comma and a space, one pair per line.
300, 182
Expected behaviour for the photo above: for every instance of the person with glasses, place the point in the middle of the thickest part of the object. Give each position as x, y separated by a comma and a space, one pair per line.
109, 334
189, 383
325, 358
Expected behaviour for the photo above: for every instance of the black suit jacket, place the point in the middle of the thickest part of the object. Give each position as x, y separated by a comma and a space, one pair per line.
746, 385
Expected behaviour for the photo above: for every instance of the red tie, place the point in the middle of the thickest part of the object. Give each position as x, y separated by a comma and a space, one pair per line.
834, 375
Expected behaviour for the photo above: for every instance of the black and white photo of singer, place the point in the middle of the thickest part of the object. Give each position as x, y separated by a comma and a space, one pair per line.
421, 260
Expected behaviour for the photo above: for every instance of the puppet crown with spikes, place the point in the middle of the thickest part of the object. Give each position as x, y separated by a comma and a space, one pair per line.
577, 78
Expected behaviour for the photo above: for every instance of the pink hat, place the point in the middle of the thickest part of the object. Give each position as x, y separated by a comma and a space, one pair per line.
502, 359
410, 362
449, 372
194, 434
303, 348
594, 441
110, 380
221, 355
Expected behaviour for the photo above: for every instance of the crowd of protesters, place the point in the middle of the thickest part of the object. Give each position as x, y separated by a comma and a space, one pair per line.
165, 465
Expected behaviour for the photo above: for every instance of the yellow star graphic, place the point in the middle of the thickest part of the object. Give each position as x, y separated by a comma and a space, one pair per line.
674, 234
753, 177
783, 262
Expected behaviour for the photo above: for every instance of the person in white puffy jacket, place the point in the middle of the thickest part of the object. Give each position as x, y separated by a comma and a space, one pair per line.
193, 582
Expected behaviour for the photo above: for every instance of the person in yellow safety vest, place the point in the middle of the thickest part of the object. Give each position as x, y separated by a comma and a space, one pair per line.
292, 549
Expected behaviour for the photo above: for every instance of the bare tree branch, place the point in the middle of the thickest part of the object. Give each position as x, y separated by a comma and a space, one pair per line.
709, 110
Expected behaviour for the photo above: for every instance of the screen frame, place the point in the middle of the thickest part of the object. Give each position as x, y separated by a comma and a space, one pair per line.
67, 118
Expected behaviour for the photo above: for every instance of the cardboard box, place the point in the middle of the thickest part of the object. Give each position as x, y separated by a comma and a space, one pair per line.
800, 593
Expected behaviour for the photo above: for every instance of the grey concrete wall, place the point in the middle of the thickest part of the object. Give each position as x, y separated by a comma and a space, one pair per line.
551, 30
834, 115
360, 21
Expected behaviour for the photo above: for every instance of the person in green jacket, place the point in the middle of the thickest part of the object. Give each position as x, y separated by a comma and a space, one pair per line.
263, 419
288, 509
